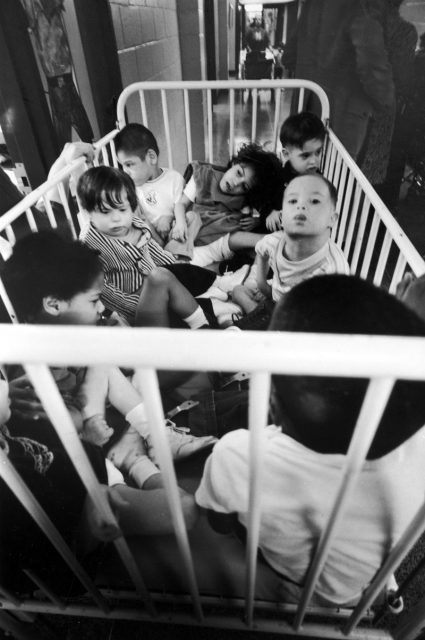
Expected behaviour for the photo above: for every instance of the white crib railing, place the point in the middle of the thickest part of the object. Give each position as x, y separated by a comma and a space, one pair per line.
376, 248
381, 359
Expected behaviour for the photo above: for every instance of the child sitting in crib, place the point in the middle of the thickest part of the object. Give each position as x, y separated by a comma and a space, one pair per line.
305, 452
51, 476
51, 280
158, 189
302, 137
223, 198
301, 251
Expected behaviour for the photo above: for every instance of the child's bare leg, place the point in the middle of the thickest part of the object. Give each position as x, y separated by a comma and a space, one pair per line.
244, 297
92, 394
138, 512
162, 292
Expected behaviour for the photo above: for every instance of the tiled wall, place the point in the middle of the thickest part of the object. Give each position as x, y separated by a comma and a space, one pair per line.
147, 39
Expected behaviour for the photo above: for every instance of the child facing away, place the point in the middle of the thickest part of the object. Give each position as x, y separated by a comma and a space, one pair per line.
223, 197
158, 189
302, 137
304, 249
51, 280
305, 452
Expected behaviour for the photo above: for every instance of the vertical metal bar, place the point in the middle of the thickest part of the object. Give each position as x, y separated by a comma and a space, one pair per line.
301, 100
258, 411
232, 123
147, 381
326, 160
353, 217
398, 272
406, 542
7, 303
370, 246
105, 156
30, 217
49, 212
143, 108
46, 389
285, 23
277, 94
167, 127
254, 114
113, 154
51, 595
11, 597
331, 167
209, 126
360, 234
347, 199
374, 404
10, 234
64, 201
36, 511
337, 175
187, 122
383, 257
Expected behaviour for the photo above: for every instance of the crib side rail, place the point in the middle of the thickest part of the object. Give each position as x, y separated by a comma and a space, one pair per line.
373, 242
381, 359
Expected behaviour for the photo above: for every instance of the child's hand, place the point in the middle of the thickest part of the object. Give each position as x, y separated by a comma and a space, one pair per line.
24, 401
163, 226
247, 223
96, 430
273, 221
74, 150
103, 528
411, 291
179, 231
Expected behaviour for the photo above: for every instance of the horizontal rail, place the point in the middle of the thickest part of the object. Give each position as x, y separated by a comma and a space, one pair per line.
278, 352
217, 85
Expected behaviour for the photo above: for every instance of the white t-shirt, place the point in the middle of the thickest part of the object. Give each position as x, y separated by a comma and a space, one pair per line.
157, 197
299, 487
288, 273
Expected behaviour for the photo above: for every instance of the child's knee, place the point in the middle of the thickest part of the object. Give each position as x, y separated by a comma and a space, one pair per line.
160, 277
240, 293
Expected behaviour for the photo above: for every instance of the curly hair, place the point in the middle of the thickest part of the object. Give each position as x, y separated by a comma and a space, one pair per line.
268, 176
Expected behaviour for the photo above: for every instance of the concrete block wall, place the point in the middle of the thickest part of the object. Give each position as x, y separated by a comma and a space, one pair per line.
161, 40
147, 39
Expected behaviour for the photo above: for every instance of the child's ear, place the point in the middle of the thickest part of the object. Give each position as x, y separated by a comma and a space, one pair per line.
334, 217
285, 154
152, 157
53, 306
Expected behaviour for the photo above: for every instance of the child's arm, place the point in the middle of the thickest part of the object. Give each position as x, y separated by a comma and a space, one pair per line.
262, 263
71, 151
179, 231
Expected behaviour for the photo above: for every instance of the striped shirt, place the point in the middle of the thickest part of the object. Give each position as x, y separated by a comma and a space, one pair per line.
125, 266
288, 273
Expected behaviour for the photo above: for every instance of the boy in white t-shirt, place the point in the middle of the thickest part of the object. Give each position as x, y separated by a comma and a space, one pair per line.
302, 250
305, 452
158, 189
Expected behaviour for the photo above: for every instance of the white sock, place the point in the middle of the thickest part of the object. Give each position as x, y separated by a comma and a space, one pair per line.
138, 420
196, 319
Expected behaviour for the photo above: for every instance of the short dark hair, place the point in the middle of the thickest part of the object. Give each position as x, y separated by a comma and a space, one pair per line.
300, 128
333, 194
348, 305
137, 139
268, 174
100, 185
44, 264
